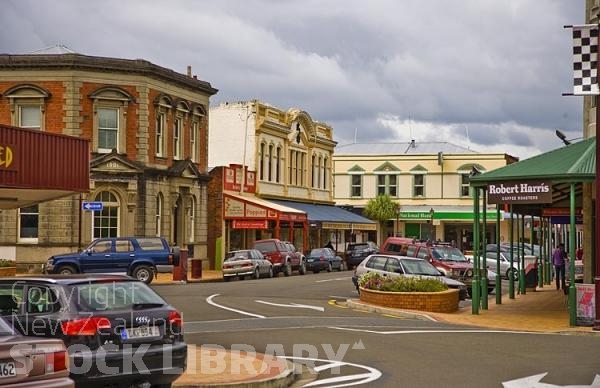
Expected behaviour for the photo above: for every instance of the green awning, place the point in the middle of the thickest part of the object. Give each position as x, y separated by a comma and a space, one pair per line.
573, 163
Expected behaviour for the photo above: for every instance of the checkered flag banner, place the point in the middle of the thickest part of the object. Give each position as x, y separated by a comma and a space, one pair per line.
585, 60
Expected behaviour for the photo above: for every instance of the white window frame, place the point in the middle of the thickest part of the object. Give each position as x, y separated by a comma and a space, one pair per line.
418, 187
194, 133
38, 108
108, 206
26, 96
354, 185
192, 219
21, 214
159, 213
177, 137
387, 185
161, 120
116, 129
464, 185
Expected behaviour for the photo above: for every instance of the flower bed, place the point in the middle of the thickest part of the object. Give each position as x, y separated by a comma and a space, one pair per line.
439, 302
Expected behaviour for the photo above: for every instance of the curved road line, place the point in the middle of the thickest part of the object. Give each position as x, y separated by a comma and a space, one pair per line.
210, 301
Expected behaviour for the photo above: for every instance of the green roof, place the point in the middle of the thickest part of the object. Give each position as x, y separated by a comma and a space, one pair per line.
572, 163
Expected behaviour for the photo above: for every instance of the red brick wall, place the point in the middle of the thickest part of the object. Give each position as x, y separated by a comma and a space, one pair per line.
440, 302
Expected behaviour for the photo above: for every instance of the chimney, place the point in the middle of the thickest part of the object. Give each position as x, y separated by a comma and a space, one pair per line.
189, 71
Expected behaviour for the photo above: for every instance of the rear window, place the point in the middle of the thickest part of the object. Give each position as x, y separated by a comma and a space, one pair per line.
237, 255
358, 247
115, 296
150, 244
448, 254
266, 246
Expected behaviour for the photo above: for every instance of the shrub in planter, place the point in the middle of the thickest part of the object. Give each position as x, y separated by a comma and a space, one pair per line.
405, 292
377, 282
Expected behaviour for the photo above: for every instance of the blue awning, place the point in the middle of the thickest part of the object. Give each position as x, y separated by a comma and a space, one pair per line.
331, 217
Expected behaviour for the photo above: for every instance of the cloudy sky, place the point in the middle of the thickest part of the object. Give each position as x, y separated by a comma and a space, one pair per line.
486, 74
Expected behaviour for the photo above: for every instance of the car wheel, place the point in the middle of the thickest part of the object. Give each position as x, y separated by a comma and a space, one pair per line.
316, 270
329, 267
256, 273
302, 269
66, 270
225, 278
287, 271
143, 273
271, 272
241, 277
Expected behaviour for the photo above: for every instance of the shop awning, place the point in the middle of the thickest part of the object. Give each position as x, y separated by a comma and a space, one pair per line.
458, 213
331, 217
251, 207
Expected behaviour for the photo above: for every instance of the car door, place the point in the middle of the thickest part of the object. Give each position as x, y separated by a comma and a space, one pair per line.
376, 264
98, 256
124, 255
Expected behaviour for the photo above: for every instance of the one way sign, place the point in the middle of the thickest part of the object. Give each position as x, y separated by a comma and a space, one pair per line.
92, 206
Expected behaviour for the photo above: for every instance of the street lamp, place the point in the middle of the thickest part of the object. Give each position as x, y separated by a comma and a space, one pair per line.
431, 214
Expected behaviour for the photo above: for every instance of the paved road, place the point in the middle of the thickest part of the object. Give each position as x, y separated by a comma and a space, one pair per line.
297, 317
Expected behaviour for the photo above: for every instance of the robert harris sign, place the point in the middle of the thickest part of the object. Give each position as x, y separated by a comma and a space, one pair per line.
520, 192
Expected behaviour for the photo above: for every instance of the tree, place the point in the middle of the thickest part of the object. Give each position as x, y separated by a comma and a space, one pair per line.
381, 209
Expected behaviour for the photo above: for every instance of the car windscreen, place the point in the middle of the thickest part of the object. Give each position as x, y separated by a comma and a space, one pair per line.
448, 254
265, 246
419, 267
115, 296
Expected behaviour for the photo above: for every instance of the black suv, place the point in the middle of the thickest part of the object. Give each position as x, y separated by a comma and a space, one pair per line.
357, 252
117, 330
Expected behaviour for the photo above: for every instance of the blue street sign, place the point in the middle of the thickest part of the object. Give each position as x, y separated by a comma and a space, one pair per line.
92, 206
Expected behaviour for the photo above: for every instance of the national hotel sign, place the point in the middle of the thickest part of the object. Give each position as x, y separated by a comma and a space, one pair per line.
520, 192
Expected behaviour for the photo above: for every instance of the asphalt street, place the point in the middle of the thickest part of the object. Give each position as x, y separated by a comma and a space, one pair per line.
304, 318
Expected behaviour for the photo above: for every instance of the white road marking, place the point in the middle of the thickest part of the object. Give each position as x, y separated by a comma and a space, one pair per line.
210, 301
333, 280
534, 382
296, 305
372, 374
434, 331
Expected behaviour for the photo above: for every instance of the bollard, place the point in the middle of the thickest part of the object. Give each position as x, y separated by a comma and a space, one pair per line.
196, 268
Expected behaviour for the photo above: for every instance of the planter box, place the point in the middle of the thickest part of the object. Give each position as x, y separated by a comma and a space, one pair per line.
8, 271
438, 302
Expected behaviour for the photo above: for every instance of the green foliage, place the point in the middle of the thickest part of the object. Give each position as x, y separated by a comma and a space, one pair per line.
381, 208
377, 282
7, 263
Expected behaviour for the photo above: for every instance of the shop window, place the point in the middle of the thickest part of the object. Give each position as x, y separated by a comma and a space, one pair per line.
29, 224
106, 221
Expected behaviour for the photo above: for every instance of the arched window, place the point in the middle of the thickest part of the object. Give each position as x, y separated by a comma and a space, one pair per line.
110, 106
261, 162
270, 163
27, 106
106, 221
159, 213
278, 166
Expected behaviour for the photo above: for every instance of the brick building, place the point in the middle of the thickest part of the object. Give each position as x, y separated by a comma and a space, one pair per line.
148, 132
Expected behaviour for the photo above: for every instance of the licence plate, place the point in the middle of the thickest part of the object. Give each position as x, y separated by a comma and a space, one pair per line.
7, 369
140, 332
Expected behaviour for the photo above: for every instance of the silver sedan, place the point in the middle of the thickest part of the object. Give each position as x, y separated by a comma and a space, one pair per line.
246, 262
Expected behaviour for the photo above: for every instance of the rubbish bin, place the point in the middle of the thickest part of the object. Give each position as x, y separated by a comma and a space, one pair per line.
531, 276
180, 271
196, 268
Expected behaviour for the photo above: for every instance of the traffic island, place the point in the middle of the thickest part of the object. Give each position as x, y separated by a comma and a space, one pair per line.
438, 302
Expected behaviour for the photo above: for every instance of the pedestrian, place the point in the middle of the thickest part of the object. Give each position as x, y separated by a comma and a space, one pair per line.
579, 254
559, 257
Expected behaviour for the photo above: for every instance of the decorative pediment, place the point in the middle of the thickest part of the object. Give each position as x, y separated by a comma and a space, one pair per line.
114, 163
184, 169
418, 169
356, 169
387, 167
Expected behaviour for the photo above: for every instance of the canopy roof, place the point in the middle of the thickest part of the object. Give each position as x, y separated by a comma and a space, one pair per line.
573, 163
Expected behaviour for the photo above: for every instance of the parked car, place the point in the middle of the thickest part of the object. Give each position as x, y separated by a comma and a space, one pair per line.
357, 252
140, 257
109, 323
246, 262
391, 265
31, 361
298, 257
320, 259
280, 255
506, 271
449, 260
